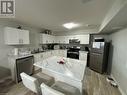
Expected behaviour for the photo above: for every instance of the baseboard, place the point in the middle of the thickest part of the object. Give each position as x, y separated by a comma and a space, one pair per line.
121, 91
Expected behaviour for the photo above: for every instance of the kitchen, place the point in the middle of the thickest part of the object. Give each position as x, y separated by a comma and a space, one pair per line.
23, 41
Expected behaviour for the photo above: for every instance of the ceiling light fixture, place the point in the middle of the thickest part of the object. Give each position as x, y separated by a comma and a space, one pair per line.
71, 25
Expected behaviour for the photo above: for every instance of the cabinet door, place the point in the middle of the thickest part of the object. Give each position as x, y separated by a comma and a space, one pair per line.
84, 39
58, 39
96, 62
53, 39
83, 56
65, 39
43, 39
49, 39
11, 36
24, 37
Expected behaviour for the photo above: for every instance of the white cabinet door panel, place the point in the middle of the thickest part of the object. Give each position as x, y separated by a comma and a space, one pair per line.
15, 36
83, 56
11, 36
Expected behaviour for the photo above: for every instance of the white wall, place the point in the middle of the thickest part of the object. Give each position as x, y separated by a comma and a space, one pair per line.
119, 58
4, 49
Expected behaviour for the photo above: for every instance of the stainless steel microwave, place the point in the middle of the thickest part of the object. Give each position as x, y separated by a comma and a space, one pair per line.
74, 41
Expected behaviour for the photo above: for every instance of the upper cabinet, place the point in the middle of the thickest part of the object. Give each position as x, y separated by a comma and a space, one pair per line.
47, 39
13, 36
62, 39
84, 39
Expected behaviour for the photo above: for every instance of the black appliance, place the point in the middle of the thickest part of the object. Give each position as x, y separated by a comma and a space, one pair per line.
24, 65
73, 52
99, 55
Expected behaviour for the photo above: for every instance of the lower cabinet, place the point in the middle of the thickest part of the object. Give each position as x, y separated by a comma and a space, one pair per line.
83, 55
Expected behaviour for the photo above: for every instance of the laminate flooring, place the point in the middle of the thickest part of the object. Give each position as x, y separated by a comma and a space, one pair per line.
94, 84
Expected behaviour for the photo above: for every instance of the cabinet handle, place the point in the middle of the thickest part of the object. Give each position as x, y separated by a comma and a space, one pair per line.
22, 41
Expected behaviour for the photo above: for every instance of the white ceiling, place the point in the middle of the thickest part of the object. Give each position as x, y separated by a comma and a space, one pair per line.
51, 14
119, 21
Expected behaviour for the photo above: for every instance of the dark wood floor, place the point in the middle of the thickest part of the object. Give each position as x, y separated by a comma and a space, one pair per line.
94, 84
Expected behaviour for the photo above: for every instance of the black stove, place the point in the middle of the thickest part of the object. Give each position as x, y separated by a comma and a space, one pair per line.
73, 52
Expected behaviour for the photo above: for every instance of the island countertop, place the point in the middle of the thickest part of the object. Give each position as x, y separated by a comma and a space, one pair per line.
72, 68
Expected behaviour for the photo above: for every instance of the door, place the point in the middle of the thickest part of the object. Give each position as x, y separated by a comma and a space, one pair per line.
96, 62
84, 39
24, 65
11, 36
82, 56
25, 36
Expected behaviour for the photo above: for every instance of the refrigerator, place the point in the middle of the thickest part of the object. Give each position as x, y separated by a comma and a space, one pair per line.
99, 55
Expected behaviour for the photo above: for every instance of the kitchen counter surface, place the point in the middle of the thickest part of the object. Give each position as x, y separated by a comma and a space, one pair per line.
48, 51
83, 51
19, 56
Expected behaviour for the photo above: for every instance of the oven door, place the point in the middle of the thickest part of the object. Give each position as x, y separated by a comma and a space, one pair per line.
74, 55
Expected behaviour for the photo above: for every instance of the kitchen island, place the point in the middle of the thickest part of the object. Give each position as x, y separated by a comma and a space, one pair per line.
71, 72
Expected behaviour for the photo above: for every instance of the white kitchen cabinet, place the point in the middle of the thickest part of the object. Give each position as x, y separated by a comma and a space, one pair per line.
62, 39
47, 39
58, 39
83, 55
84, 39
13, 36
43, 39
65, 39
24, 36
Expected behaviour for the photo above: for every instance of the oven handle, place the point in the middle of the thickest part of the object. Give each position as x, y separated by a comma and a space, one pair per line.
73, 53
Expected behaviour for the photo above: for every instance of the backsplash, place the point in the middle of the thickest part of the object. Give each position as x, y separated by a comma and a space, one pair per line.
64, 46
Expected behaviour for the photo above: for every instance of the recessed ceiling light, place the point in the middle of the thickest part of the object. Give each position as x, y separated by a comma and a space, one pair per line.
71, 25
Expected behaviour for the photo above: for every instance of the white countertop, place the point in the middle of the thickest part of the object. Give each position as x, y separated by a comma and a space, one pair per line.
19, 56
73, 68
84, 51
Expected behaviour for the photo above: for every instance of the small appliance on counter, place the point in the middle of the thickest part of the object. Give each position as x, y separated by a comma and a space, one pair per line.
56, 47
74, 41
